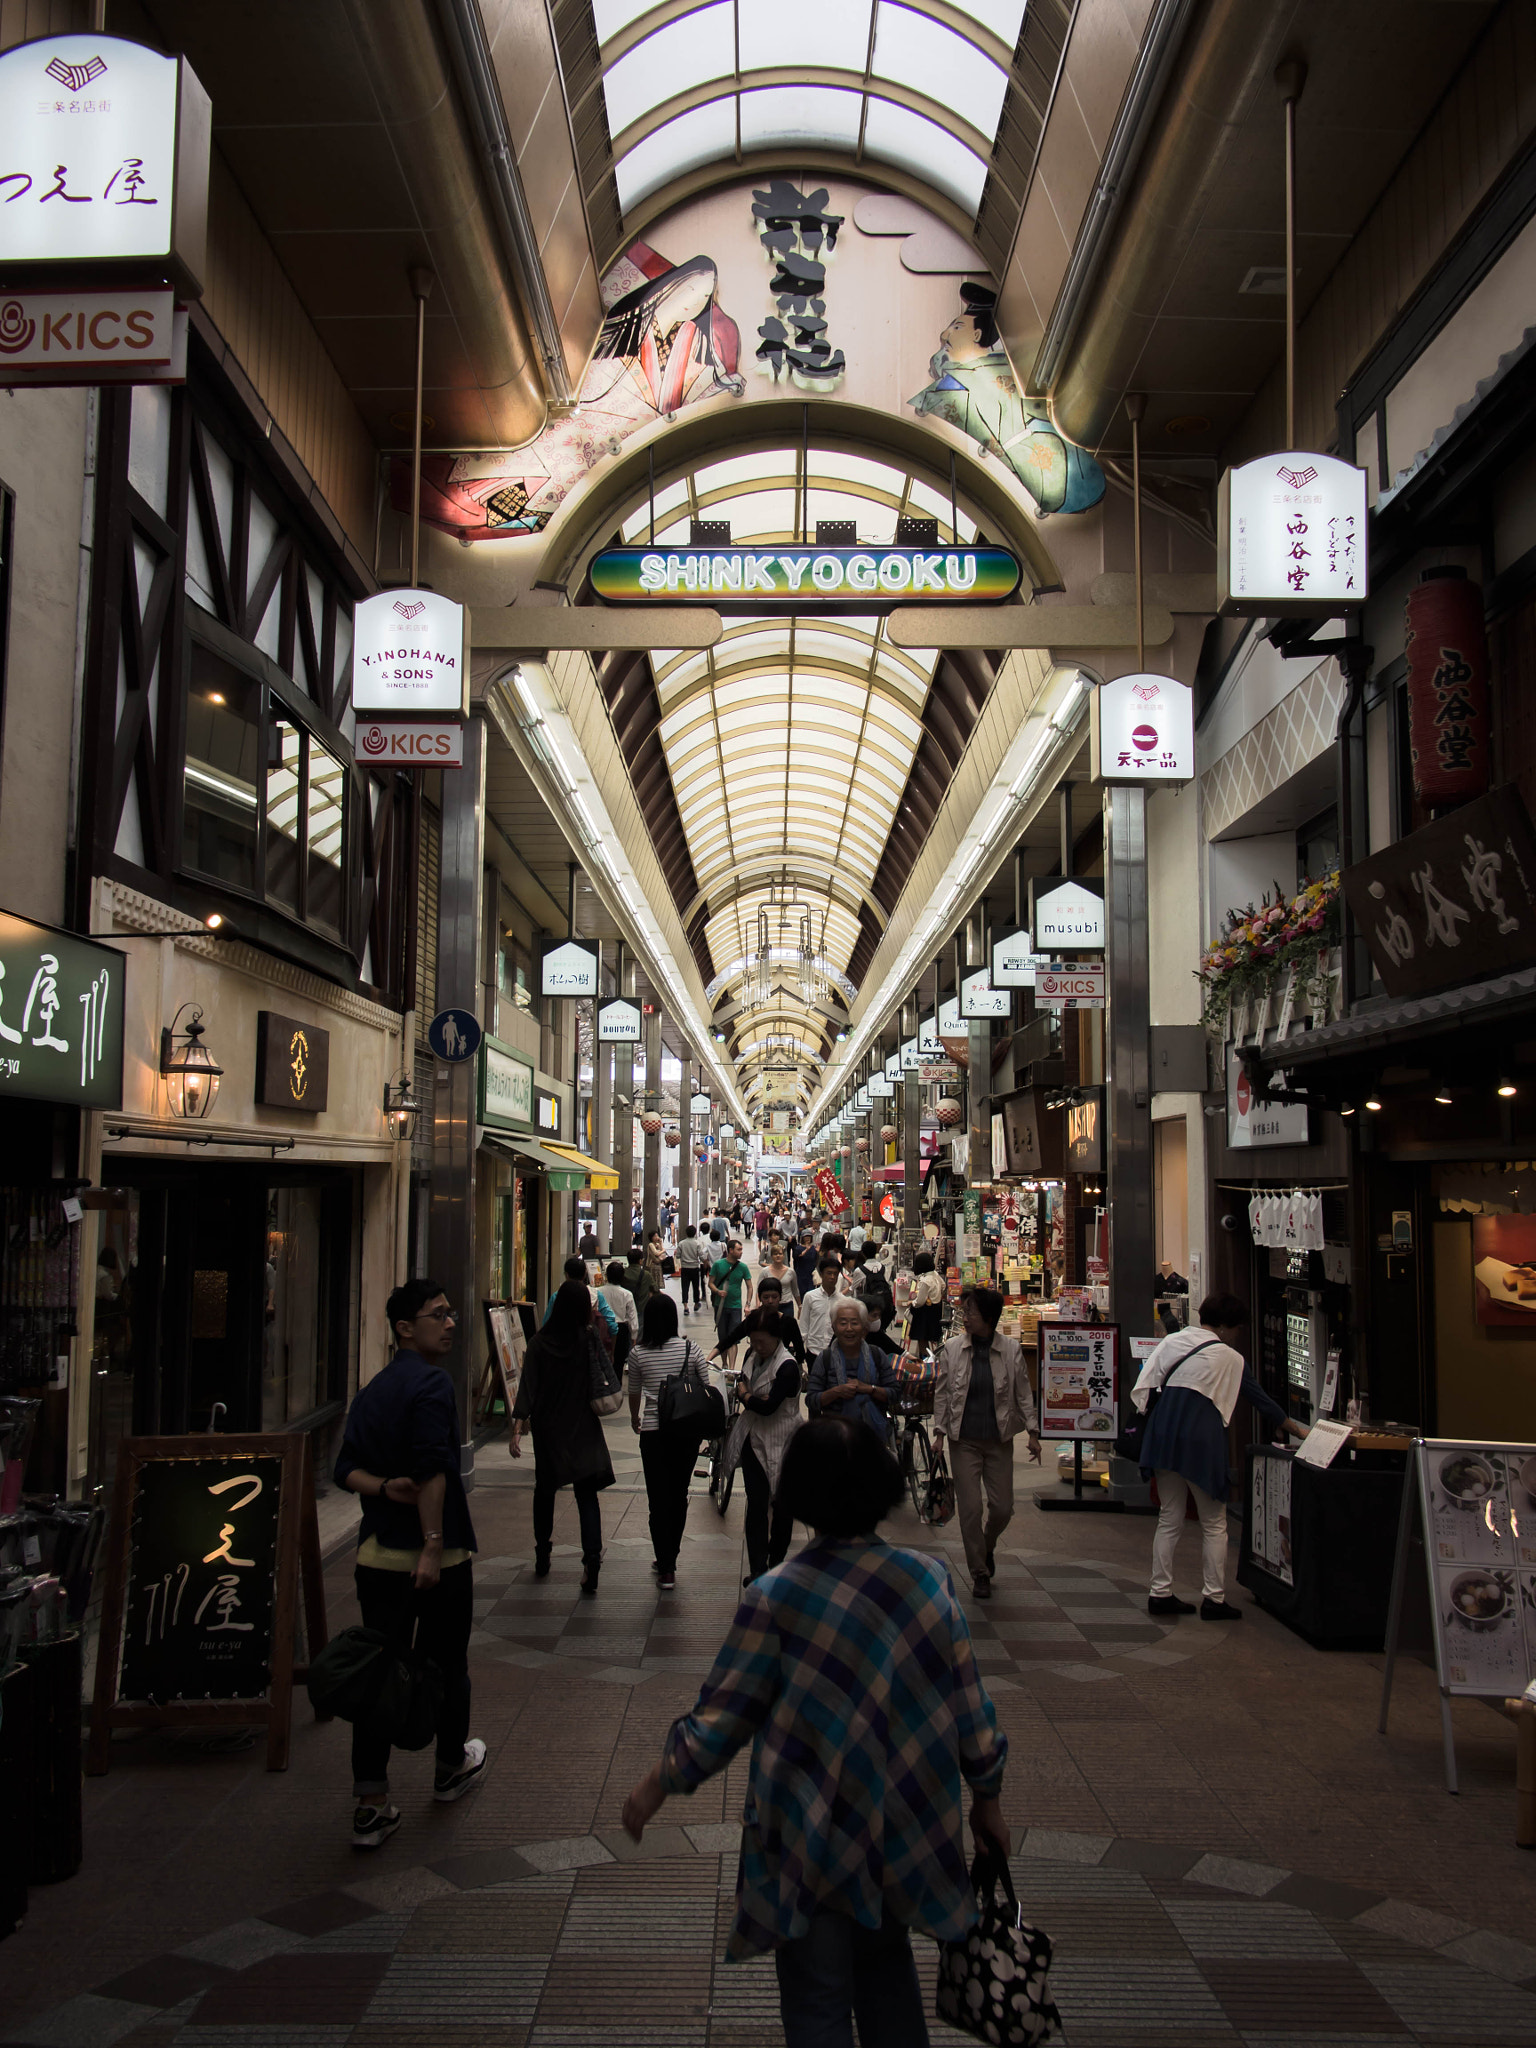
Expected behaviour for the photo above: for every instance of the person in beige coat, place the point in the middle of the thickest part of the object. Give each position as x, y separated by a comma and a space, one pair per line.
981, 1401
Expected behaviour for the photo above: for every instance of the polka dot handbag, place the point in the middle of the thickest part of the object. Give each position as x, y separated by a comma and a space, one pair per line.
994, 1982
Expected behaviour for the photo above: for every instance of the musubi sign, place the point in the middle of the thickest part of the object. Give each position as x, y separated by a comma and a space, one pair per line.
805, 578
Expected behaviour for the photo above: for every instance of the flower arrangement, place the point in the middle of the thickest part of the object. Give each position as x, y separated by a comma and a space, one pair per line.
1259, 946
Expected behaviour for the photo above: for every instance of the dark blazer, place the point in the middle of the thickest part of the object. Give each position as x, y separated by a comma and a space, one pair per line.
555, 1397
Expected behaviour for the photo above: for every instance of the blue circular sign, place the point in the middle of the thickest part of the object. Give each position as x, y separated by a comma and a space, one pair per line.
455, 1034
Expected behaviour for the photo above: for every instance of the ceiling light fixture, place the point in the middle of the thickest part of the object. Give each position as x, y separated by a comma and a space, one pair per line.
1442, 1091
1507, 1087
1371, 1102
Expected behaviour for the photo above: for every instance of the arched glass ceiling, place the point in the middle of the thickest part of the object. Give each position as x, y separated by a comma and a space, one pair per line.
789, 743
918, 83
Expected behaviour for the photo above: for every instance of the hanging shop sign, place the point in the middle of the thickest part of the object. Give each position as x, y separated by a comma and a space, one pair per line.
1014, 961
1454, 901
1142, 729
930, 1045
58, 335
1067, 917
618, 1023
698, 1105
1079, 1379
410, 653
1071, 985
882, 1088
911, 1059
1290, 536
455, 1035
1085, 1132
61, 1017
568, 970
546, 1111
413, 743
979, 999
893, 1067
506, 1088
1446, 647
293, 1063
829, 1190
1032, 1136
104, 147
805, 579
1253, 1121
951, 1025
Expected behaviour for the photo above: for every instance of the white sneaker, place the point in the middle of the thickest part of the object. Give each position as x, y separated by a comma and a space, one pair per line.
466, 1777
373, 1825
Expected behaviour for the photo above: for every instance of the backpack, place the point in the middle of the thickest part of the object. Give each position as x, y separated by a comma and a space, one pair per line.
687, 1406
877, 1297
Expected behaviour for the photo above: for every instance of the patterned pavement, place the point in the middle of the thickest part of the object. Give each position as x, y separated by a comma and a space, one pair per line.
1208, 1827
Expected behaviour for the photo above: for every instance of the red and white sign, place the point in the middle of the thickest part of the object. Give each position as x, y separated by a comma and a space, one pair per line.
1071, 988
64, 329
390, 743
410, 653
830, 1190
1142, 730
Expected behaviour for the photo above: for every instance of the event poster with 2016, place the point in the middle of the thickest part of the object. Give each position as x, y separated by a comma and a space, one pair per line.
1079, 1380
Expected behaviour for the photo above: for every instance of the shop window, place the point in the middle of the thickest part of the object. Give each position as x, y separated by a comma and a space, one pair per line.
220, 806
285, 771
325, 811
1317, 846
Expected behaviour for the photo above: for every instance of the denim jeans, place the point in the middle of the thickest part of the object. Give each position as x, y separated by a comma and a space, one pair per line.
441, 1617
839, 1972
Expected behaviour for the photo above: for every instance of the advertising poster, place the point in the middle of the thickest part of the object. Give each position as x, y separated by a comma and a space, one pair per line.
1480, 1526
1504, 1271
1079, 1380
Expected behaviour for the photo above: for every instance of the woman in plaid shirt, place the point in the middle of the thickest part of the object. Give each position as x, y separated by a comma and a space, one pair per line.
850, 1670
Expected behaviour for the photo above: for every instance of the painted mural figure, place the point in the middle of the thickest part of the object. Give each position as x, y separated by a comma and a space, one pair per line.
665, 344
973, 387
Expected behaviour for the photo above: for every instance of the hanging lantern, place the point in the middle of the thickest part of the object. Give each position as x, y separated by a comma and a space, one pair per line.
888, 1133
650, 1123
672, 1136
191, 1076
947, 1112
1448, 722
861, 1145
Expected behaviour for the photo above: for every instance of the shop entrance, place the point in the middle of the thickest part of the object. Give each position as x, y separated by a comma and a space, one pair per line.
224, 1299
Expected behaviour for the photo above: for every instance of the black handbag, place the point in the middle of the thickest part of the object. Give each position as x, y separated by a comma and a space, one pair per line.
994, 1982
1131, 1438
605, 1388
363, 1677
687, 1406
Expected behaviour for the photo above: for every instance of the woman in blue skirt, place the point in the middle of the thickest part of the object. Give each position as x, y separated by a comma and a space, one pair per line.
1201, 1374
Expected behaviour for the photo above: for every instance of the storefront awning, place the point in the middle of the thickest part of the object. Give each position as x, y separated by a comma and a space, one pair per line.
603, 1178
564, 1175
1381, 1022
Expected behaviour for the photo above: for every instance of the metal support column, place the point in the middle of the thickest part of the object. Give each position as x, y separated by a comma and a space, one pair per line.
602, 1114
451, 1218
619, 1233
1128, 1078
651, 1195
911, 1138
978, 1078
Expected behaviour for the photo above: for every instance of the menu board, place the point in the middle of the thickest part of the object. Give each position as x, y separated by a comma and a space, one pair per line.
507, 1338
1270, 1518
1479, 1506
1079, 1379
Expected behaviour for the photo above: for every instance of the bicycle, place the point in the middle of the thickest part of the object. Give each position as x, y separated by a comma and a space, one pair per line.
722, 1477
909, 1436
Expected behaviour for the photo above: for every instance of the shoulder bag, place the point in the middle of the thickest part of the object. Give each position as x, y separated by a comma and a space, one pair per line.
605, 1387
687, 1405
363, 1676
994, 1982
1129, 1442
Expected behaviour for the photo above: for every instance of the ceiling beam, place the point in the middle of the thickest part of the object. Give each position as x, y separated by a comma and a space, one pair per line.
1046, 627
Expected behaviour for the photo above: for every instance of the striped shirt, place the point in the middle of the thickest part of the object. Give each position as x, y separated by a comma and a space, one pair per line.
650, 1364
850, 1670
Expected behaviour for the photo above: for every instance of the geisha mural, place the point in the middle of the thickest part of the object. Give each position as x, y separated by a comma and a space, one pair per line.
665, 344
973, 387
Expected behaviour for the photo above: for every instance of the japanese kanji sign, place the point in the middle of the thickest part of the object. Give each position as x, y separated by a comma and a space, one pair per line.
796, 231
1142, 729
61, 1017
1290, 535
1452, 902
1079, 1379
104, 149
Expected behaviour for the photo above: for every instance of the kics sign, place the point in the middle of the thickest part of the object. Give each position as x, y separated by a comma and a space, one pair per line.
92, 337
415, 745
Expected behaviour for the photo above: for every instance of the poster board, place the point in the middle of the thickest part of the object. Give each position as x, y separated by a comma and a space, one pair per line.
1079, 1380
209, 1538
1464, 1582
507, 1347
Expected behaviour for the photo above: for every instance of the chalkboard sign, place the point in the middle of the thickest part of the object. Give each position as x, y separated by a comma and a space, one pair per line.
209, 1536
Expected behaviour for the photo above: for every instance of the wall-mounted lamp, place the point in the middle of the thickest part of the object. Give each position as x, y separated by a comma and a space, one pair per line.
1507, 1087
401, 1108
191, 1077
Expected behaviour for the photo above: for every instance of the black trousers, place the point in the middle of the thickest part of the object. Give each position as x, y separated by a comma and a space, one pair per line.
693, 1286
668, 1467
770, 1529
588, 1513
441, 1616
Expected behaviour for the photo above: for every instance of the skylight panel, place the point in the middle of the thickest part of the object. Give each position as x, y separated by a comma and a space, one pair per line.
805, 35
612, 15
897, 135
685, 53
820, 114
1004, 17
701, 136
915, 51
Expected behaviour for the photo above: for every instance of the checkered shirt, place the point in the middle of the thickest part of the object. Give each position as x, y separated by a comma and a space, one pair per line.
850, 1669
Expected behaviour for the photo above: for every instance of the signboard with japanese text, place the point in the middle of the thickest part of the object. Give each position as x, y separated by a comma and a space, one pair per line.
1079, 1379
506, 1088
1032, 1136
1014, 961
829, 1191
698, 1104
1067, 916
979, 999
1142, 729
61, 1017
618, 1023
410, 653
410, 743
805, 579
568, 970
104, 147
209, 1534
1290, 536
1069, 985
930, 1044
1253, 1121
1478, 1503
1454, 901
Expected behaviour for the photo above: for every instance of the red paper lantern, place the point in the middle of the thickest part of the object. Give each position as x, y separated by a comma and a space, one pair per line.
947, 1112
671, 1137
1448, 722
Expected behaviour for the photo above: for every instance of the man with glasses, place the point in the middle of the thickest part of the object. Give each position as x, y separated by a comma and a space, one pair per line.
400, 1452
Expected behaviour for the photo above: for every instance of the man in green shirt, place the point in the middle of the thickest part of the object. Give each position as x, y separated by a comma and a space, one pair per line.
730, 1287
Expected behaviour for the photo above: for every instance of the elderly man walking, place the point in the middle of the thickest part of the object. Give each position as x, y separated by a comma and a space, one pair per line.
981, 1401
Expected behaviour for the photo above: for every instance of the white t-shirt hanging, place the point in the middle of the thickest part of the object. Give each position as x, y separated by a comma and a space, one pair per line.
1256, 1218
1314, 1238
1292, 1226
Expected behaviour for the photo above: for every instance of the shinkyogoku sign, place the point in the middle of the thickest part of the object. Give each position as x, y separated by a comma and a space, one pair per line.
409, 653
805, 578
1290, 535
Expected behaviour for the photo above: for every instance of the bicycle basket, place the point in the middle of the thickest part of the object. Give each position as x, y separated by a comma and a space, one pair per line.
914, 1394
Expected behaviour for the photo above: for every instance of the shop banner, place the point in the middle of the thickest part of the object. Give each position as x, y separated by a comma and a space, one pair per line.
1290, 535
61, 1017
829, 1190
1079, 1379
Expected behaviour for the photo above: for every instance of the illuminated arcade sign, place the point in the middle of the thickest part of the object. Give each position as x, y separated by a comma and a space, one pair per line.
805, 578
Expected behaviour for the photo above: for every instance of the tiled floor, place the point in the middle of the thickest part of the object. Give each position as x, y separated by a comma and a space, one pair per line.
1209, 1827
